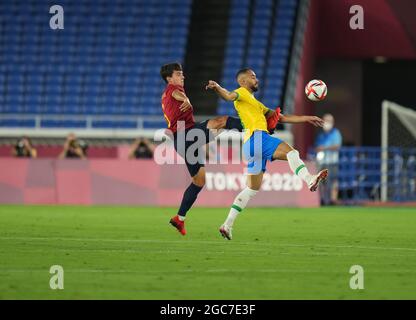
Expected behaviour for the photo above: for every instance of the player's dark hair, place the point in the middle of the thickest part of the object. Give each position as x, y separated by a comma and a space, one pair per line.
242, 71
167, 70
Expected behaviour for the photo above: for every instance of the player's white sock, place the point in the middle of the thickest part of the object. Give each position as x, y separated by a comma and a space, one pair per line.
181, 218
298, 166
239, 204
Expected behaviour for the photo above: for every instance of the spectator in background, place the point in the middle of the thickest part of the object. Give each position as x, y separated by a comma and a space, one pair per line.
141, 148
74, 148
24, 148
327, 145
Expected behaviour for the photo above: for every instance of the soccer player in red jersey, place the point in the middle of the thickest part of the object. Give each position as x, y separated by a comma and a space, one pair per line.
177, 109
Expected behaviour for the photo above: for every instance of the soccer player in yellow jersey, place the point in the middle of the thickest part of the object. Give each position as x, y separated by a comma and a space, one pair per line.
259, 146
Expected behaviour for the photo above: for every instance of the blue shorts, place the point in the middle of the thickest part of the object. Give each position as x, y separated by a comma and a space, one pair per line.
258, 149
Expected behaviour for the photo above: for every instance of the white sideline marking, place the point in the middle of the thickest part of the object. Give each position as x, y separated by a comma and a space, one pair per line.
235, 252
209, 242
200, 271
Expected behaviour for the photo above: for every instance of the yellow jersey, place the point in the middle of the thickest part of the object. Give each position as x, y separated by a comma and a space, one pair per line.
251, 112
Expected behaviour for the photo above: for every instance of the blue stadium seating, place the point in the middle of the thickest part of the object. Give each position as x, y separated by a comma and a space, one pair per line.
262, 45
359, 174
105, 62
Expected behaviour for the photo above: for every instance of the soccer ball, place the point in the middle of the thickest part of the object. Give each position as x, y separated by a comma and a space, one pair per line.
316, 90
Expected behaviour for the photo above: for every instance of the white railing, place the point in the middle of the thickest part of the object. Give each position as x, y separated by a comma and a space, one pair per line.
89, 119
106, 133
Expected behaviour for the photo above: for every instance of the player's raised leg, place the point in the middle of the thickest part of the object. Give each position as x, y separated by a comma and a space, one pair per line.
188, 199
225, 122
286, 152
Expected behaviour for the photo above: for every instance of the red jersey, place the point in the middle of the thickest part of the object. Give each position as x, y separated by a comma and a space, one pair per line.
171, 111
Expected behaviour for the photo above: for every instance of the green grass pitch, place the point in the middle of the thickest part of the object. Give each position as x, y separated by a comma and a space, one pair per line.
279, 253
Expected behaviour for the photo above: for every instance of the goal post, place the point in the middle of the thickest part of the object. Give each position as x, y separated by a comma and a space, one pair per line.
398, 147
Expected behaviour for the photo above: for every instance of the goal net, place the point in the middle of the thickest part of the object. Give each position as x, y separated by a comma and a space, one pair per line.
398, 153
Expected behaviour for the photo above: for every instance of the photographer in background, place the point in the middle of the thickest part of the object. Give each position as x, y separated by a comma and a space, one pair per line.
24, 148
74, 148
141, 148
327, 145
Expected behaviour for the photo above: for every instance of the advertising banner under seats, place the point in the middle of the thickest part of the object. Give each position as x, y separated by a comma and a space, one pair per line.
142, 182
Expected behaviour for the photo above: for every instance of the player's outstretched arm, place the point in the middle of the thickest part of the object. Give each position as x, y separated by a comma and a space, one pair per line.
222, 92
291, 118
181, 97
